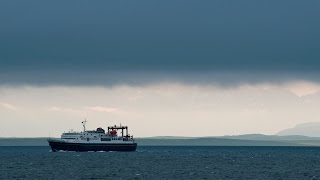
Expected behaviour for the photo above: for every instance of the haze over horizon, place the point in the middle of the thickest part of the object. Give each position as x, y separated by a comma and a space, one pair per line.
183, 68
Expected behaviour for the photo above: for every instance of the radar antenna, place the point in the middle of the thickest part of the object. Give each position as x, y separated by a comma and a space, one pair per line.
84, 124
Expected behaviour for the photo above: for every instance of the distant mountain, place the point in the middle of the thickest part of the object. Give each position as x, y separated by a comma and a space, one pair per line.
169, 137
311, 129
209, 141
307, 134
240, 140
262, 137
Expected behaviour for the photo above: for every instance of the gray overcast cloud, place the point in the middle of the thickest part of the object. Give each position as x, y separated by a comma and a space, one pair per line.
107, 42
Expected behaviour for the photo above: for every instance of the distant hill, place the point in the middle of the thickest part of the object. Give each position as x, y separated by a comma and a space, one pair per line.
311, 129
262, 137
241, 140
210, 141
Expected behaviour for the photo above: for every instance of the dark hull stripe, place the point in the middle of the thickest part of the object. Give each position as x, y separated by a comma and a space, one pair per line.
57, 146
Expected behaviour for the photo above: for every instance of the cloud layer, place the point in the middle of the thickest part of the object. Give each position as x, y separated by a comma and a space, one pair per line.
246, 109
114, 42
8, 106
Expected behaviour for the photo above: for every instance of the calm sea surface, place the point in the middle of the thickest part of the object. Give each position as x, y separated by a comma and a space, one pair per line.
163, 163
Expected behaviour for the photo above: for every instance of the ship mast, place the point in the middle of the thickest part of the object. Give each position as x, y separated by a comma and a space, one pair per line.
84, 124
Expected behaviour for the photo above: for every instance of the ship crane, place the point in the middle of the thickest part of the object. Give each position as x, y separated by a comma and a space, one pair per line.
122, 128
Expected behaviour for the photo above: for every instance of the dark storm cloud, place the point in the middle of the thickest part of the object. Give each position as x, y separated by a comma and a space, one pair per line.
107, 42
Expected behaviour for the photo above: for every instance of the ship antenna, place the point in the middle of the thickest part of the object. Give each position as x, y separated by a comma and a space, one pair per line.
84, 124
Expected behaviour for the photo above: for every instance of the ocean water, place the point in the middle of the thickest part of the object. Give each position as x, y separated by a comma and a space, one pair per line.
162, 163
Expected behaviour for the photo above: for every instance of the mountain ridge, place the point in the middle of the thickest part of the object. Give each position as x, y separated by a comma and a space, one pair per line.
311, 129
235, 140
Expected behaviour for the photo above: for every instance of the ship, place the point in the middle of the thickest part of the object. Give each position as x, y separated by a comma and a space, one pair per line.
94, 140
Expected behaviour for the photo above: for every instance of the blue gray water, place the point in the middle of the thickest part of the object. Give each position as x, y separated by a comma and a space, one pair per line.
163, 163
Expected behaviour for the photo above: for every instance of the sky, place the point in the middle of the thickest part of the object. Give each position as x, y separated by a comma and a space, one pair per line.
178, 67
